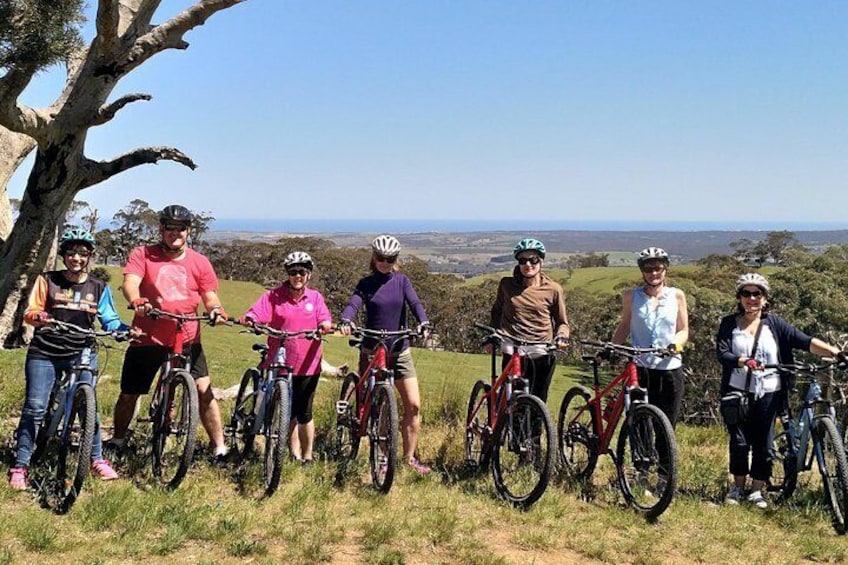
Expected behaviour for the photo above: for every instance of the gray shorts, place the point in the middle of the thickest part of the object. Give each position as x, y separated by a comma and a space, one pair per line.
402, 364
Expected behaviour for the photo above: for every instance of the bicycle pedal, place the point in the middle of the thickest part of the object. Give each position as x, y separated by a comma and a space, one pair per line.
342, 407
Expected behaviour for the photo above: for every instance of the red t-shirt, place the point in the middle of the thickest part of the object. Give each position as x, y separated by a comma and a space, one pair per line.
172, 285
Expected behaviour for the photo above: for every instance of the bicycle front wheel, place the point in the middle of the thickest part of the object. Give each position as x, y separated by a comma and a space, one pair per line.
523, 451
477, 429
383, 436
175, 429
578, 444
646, 460
830, 455
277, 418
75, 447
241, 428
347, 419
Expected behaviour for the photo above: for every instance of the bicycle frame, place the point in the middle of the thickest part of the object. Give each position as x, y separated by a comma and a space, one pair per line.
64, 390
799, 428
175, 360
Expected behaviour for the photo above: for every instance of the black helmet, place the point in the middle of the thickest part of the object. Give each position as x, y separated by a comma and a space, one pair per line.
175, 214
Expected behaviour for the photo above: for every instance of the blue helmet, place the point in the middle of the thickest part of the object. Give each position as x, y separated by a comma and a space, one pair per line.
529, 244
76, 235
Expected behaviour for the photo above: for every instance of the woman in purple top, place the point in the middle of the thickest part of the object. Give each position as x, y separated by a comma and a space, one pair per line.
386, 293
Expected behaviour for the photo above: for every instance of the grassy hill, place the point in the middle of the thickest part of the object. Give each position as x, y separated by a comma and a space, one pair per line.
326, 514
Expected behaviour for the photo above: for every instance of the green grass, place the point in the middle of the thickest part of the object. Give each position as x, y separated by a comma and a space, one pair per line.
324, 514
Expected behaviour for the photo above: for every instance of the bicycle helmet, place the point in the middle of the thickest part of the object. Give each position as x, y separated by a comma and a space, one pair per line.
652, 254
386, 245
175, 214
529, 244
754, 279
298, 258
76, 235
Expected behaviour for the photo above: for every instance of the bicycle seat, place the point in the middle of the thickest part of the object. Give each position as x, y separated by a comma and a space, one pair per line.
260, 347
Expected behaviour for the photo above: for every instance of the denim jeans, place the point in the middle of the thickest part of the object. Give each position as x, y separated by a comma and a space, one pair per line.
40, 376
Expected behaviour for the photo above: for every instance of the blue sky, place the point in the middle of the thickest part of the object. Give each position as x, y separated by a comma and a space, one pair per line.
567, 111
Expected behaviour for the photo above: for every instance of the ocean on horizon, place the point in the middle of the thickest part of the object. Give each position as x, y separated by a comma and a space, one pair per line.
322, 226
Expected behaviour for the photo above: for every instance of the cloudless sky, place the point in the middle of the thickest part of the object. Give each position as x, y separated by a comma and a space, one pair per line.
443, 109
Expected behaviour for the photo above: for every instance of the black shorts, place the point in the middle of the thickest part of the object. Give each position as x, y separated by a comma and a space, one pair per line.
141, 363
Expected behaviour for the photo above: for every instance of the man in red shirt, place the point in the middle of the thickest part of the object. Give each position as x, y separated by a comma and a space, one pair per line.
170, 277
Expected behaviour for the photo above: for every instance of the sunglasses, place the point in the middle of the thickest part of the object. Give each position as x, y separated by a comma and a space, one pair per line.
297, 272
531, 260
751, 293
652, 268
383, 259
174, 227
83, 253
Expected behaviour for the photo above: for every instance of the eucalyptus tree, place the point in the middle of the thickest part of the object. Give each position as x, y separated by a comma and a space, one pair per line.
125, 38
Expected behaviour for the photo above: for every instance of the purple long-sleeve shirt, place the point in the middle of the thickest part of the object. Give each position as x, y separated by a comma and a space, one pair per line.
385, 298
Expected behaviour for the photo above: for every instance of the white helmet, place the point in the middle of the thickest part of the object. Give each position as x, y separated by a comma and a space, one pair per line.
386, 245
298, 258
754, 279
652, 254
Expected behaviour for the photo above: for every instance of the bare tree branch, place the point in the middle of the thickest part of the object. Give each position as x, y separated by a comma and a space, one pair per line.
137, 15
107, 22
98, 171
18, 117
108, 112
170, 34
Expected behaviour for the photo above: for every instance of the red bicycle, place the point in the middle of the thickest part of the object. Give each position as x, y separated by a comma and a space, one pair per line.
367, 407
645, 458
511, 428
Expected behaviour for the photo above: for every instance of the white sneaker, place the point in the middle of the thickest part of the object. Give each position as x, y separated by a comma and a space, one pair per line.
757, 499
734, 495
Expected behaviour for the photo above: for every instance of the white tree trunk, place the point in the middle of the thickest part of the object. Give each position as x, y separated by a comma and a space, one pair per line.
14, 148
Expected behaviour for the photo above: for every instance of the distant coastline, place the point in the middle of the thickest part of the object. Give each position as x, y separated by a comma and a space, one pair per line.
330, 226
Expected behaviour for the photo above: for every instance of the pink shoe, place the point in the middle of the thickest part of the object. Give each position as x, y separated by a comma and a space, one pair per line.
103, 468
18, 478
419, 467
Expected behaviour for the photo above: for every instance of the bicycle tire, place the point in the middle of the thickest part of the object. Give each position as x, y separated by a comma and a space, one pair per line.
75, 447
647, 469
277, 417
833, 468
477, 430
383, 437
175, 429
784, 476
243, 419
523, 451
578, 444
347, 422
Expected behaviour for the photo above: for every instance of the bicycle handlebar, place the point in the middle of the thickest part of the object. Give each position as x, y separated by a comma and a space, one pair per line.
260, 329
365, 332
500, 335
627, 350
58, 325
805, 368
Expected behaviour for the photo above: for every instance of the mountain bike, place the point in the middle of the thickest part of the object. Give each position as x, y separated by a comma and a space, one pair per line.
263, 405
816, 424
645, 457
63, 442
509, 428
367, 407
173, 413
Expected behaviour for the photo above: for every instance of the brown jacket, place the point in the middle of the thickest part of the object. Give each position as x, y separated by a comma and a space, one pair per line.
534, 313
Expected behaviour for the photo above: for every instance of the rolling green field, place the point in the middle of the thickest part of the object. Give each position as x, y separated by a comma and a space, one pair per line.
329, 514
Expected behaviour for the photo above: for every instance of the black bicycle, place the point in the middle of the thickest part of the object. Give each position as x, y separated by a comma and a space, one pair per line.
63, 443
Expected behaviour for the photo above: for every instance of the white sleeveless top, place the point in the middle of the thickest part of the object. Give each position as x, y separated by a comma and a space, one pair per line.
654, 327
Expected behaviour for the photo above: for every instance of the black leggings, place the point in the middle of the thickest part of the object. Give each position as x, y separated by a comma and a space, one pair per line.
754, 436
303, 392
538, 372
665, 390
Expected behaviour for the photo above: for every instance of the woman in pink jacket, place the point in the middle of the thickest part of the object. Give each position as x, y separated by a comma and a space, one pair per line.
293, 307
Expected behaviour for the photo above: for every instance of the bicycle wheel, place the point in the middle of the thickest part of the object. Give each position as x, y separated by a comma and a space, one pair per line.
277, 417
75, 447
383, 437
46, 439
830, 455
477, 430
243, 419
578, 444
347, 419
784, 475
175, 429
523, 451
646, 460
